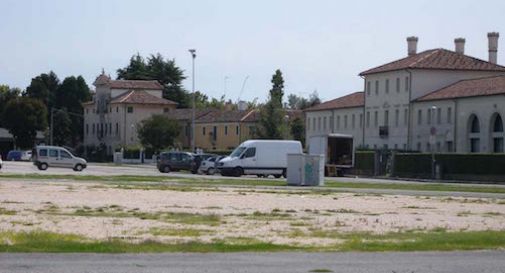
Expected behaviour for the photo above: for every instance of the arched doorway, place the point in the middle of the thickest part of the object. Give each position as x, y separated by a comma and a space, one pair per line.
497, 133
474, 134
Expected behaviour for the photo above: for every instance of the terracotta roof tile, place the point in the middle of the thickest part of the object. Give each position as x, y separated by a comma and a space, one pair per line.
124, 84
469, 88
186, 113
355, 99
436, 59
140, 97
222, 116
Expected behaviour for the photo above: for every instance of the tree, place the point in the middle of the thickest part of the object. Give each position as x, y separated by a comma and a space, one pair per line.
158, 132
23, 117
70, 94
272, 115
297, 130
164, 71
62, 133
7, 94
43, 87
299, 103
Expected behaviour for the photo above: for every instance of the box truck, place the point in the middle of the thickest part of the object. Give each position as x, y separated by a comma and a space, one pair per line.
259, 157
337, 149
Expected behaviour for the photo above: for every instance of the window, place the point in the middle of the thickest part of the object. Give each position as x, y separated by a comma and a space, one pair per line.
93, 129
225, 130
448, 144
110, 128
368, 88
319, 123
250, 152
117, 109
407, 84
406, 117
439, 115
474, 145
64, 154
386, 118
376, 118
387, 86
449, 115
324, 123
475, 127
105, 129
236, 129
428, 116
87, 129
353, 121
203, 130
165, 110
214, 133
345, 121
498, 124
53, 153
367, 119
117, 129
498, 145
397, 85
419, 117
314, 124
308, 123
360, 120
397, 117
43, 152
498, 134
376, 87
338, 122
130, 109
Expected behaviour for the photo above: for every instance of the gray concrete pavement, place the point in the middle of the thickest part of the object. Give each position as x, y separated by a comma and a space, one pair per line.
418, 262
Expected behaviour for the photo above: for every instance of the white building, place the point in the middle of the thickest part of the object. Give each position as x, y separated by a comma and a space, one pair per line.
117, 108
435, 100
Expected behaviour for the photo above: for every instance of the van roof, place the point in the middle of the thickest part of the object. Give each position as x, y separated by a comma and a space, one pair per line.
271, 141
51, 147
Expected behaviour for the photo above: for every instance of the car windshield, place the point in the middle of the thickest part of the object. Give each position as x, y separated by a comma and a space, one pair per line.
238, 151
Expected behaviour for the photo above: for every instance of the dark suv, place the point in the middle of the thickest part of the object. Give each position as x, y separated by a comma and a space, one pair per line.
174, 161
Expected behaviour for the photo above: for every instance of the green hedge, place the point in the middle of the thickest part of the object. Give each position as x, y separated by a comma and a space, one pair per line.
364, 162
452, 166
412, 165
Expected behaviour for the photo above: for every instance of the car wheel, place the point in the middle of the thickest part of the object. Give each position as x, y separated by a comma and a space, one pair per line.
43, 166
211, 171
166, 169
284, 173
238, 172
78, 168
277, 175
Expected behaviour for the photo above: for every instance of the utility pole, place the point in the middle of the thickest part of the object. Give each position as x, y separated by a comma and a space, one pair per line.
193, 133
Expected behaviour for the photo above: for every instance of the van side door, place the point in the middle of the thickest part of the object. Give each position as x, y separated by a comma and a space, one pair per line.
66, 160
53, 158
248, 159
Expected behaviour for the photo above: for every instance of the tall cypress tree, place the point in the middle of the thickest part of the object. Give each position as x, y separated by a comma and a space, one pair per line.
272, 123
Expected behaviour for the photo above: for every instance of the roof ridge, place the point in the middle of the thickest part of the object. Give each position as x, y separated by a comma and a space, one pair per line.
425, 56
127, 96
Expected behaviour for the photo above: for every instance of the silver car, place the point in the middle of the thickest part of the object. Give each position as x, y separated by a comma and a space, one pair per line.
208, 166
54, 156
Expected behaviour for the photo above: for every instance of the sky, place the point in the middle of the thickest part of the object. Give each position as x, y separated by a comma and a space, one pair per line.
318, 45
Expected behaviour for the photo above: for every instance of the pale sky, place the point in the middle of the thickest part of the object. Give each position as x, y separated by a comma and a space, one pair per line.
318, 45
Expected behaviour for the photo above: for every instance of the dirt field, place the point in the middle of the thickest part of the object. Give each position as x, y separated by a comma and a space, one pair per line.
138, 212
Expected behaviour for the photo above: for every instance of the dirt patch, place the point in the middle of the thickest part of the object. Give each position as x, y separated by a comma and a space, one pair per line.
104, 211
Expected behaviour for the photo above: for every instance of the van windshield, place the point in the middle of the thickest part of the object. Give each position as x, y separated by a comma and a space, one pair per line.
238, 151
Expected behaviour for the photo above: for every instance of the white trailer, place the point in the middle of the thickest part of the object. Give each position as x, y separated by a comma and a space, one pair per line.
337, 149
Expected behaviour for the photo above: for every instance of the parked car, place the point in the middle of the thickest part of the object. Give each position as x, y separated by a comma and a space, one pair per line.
14, 155
26, 156
260, 157
197, 161
208, 166
174, 161
53, 156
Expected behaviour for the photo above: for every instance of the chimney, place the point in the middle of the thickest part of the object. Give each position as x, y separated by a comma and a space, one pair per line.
492, 38
412, 45
459, 45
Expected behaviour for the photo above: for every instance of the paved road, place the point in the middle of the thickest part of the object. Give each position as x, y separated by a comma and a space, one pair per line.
418, 262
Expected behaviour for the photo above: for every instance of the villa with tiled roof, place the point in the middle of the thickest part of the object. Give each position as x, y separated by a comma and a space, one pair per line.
118, 107
436, 100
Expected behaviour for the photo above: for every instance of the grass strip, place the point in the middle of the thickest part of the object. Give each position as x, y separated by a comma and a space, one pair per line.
261, 182
41, 241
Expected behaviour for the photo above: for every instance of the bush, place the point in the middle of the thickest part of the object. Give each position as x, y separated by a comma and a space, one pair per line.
412, 165
364, 162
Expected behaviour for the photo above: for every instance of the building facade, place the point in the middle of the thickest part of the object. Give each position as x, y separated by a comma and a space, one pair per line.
428, 102
118, 107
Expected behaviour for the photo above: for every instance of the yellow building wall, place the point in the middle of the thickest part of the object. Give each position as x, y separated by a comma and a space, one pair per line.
223, 140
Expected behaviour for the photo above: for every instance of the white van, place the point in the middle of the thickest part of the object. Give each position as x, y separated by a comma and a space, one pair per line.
53, 156
259, 157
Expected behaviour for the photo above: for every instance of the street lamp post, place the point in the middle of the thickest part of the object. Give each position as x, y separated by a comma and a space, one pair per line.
193, 56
